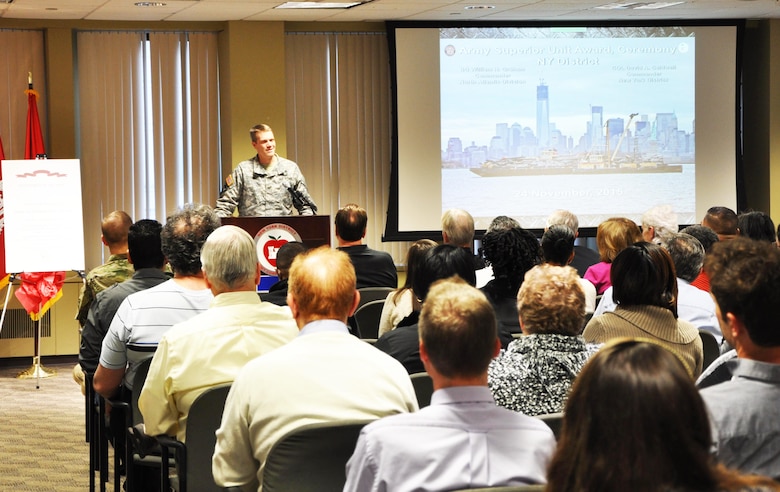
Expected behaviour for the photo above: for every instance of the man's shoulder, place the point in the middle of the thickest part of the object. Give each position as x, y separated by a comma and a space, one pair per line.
117, 268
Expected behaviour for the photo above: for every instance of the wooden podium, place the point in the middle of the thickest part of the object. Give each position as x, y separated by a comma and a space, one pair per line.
313, 229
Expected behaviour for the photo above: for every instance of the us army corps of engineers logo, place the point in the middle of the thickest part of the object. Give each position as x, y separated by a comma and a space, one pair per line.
268, 240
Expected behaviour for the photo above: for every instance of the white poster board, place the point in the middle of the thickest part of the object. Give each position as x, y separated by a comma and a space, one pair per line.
44, 227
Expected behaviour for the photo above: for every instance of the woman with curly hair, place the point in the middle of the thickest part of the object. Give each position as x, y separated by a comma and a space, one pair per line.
510, 253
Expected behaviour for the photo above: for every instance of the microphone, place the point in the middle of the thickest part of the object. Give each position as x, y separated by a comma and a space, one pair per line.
301, 200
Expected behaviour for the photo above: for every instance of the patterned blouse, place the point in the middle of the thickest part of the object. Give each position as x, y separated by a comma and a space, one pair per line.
534, 374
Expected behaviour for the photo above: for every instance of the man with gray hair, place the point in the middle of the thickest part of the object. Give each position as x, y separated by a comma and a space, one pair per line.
584, 257
659, 222
457, 228
693, 305
212, 347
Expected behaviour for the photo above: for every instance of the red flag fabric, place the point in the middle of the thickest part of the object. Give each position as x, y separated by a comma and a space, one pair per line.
33, 144
38, 290
3, 274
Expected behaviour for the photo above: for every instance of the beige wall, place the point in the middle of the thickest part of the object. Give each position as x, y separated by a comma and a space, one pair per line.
252, 77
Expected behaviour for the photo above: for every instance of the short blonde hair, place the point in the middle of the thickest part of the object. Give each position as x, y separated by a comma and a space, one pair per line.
459, 227
551, 300
614, 235
322, 282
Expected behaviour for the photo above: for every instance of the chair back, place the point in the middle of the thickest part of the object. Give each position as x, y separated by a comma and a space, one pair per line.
711, 348
203, 420
509, 488
423, 388
142, 369
312, 458
554, 421
368, 294
367, 318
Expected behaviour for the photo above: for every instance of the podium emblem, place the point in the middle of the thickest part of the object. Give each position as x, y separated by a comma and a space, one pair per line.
268, 240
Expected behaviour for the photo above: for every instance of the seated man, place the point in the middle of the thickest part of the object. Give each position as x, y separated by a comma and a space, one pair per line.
457, 227
745, 415
723, 221
373, 268
145, 316
212, 347
146, 256
324, 375
462, 440
584, 257
277, 294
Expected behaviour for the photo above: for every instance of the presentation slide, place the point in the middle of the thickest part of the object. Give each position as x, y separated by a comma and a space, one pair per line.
601, 121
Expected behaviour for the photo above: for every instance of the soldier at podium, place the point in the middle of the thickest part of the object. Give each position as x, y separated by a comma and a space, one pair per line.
266, 184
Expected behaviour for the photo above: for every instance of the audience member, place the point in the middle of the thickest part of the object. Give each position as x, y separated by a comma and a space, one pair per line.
117, 269
498, 224
443, 261
457, 227
210, 348
612, 236
277, 294
324, 375
402, 302
663, 442
584, 257
510, 253
658, 222
745, 281
143, 317
693, 305
558, 249
462, 440
534, 374
146, 256
723, 221
707, 238
373, 268
757, 226
645, 290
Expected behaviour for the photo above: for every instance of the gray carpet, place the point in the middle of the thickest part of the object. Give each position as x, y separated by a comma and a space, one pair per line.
42, 446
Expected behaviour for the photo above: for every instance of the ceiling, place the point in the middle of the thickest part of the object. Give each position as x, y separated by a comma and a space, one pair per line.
381, 10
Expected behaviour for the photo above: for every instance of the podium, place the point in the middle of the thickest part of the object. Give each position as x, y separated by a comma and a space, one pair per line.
270, 233
314, 230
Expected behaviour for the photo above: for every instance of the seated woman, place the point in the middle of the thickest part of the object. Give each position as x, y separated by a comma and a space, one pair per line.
644, 286
612, 236
402, 302
663, 443
534, 374
510, 253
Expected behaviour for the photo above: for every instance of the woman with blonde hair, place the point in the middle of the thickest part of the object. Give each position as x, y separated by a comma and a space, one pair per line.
635, 421
612, 236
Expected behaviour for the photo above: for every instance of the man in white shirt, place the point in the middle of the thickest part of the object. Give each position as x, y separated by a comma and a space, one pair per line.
463, 439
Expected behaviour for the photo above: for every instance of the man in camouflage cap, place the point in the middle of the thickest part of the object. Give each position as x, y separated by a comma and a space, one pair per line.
266, 184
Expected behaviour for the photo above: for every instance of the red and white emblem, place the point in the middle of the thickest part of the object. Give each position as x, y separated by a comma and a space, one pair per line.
268, 240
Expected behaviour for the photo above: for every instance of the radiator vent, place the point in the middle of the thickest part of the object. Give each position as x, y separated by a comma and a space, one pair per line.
17, 324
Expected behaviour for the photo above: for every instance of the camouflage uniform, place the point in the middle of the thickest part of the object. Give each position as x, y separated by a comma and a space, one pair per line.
116, 269
258, 191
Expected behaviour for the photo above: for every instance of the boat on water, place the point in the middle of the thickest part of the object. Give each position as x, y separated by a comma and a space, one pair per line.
636, 168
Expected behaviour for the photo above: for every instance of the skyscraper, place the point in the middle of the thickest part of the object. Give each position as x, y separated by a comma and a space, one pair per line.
543, 115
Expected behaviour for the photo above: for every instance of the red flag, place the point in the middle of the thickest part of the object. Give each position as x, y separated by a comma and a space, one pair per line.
33, 142
3, 274
38, 290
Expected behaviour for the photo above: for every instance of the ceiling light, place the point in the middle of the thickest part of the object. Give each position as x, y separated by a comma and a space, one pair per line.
637, 5
318, 5
149, 4
479, 7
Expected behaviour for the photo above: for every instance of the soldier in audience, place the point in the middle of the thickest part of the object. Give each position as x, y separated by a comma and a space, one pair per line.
462, 440
324, 375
